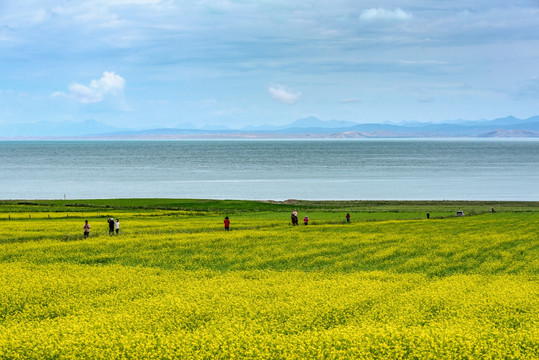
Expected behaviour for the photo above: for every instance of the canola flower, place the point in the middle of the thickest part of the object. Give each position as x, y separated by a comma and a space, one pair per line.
180, 287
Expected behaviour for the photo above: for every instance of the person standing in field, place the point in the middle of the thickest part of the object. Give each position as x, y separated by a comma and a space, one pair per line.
306, 220
111, 226
117, 226
86, 228
294, 219
227, 223
348, 218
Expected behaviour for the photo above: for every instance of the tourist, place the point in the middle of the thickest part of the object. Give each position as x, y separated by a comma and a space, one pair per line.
348, 218
294, 219
111, 226
86, 228
227, 223
117, 226
306, 220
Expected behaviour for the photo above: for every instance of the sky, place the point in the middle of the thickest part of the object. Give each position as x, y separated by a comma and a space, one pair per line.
166, 63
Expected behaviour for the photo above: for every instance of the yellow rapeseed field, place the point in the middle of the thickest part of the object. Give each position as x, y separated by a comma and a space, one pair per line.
175, 285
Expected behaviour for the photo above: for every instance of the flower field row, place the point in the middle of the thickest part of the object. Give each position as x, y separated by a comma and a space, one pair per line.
176, 285
484, 244
75, 311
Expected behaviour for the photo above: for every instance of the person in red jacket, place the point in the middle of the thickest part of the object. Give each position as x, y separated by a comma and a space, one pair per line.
227, 223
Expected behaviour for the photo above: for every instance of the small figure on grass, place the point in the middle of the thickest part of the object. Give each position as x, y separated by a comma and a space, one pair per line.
348, 218
117, 226
306, 220
428, 216
294, 218
227, 223
111, 226
86, 228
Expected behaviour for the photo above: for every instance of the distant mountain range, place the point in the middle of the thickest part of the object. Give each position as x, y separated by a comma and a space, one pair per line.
310, 127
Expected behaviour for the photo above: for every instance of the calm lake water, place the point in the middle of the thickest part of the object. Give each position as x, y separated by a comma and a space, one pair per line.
272, 170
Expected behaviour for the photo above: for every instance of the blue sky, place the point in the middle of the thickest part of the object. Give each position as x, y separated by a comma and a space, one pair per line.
151, 63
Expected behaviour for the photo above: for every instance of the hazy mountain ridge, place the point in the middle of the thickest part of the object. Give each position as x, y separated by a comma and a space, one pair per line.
310, 127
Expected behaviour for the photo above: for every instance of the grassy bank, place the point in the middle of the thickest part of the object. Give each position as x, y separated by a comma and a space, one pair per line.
173, 284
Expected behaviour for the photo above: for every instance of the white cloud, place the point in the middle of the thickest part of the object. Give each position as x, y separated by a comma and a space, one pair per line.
132, 2
109, 84
38, 16
352, 100
425, 99
283, 94
385, 14
423, 62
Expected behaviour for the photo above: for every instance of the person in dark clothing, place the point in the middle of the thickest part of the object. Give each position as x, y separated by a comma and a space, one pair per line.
294, 219
86, 228
111, 226
348, 218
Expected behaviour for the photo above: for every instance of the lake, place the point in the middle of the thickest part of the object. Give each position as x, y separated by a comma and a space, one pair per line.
372, 169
